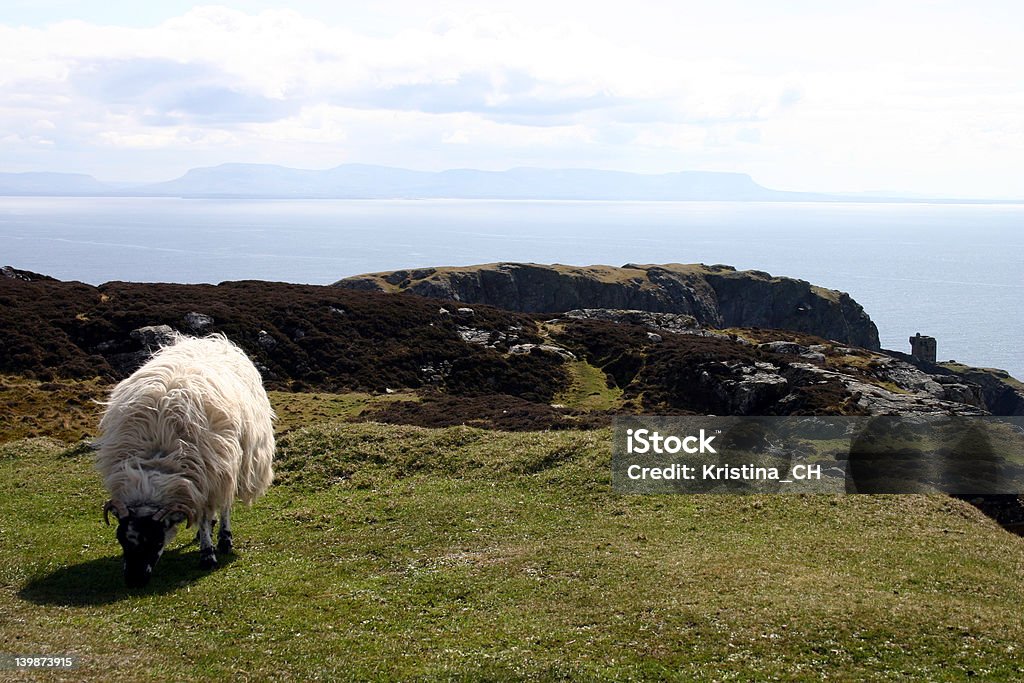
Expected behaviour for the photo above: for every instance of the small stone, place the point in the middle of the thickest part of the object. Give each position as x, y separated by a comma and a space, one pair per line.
197, 322
152, 337
783, 347
522, 349
265, 341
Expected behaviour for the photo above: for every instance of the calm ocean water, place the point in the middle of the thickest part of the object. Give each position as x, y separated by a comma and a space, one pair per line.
951, 271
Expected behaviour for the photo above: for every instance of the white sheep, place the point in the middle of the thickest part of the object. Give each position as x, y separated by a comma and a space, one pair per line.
182, 437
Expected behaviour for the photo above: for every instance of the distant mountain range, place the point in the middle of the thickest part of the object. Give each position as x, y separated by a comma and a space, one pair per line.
359, 181
74, 184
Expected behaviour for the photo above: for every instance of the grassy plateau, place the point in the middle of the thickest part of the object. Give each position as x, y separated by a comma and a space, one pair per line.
398, 552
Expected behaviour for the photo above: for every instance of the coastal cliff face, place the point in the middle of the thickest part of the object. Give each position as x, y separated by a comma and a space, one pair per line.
716, 296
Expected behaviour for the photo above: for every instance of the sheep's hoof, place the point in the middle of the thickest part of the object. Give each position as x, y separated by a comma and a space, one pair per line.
207, 560
224, 544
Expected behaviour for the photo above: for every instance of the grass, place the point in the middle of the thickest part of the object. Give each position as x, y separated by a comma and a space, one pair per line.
588, 389
64, 409
69, 409
600, 273
388, 552
296, 409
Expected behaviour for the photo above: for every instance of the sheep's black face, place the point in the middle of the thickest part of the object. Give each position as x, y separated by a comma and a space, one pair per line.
143, 541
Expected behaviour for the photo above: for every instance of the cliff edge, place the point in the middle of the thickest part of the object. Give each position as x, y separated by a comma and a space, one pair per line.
716, 296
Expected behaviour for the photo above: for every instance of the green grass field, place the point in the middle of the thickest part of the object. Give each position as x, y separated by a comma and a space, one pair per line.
387, 552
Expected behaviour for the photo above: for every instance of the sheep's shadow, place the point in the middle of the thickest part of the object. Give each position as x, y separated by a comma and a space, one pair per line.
100, 581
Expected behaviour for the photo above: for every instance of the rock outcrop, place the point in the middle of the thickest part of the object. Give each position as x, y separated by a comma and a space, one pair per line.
23, 275
1002, 394
715, 296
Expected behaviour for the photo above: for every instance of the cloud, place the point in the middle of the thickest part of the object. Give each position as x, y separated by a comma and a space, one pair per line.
224, 66
829, 99
164, 92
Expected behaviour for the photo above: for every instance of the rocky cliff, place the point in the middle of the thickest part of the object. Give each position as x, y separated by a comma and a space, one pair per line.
716, 296
476, 365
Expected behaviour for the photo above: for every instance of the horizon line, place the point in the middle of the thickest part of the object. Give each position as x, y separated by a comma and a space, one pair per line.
128, 188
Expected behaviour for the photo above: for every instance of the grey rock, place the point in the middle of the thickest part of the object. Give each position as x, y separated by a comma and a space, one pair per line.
750, 389
472, 335
397, 277
667, 322
436, 373
876, 400
197, 322
266, 341
24, 275
565, 354
943, 387
998, 397
783, 347
152, 337
971, 394
674, 323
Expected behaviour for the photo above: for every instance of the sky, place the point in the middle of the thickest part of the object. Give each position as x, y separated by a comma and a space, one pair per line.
906, 96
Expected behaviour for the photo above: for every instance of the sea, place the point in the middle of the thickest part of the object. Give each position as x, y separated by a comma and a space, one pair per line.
952, 271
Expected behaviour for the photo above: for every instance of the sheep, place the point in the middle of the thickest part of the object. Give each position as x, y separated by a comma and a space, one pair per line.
181, 438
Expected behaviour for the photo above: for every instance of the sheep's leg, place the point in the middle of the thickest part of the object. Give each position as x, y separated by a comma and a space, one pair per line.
224, 533
207, 558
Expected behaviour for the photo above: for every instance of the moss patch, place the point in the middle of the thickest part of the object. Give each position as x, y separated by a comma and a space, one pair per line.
588, 389
62, 409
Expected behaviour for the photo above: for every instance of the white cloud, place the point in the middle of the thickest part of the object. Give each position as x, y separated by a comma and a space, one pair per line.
918, 97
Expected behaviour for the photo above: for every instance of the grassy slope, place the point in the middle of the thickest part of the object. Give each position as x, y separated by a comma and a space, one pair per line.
636, 274
64, 409
588, 389
390, 551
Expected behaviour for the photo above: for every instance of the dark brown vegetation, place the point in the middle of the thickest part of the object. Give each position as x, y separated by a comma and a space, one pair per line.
313, 337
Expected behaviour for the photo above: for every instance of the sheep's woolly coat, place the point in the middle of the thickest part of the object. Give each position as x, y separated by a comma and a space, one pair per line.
191, 426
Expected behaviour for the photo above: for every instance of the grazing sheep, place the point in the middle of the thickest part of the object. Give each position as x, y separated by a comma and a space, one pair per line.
186, 434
